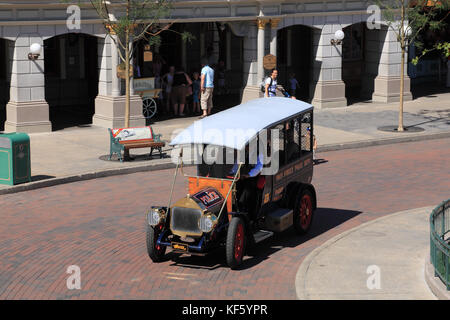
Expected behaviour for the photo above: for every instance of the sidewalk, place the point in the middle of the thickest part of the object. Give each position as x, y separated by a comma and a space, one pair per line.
81, 152
397, 244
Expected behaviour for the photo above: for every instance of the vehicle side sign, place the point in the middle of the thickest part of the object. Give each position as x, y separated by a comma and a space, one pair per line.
209, 197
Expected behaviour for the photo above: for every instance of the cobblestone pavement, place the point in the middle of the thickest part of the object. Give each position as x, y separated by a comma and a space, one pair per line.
99, 225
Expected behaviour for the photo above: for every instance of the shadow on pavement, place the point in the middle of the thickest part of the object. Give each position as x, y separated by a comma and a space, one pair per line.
41, 177
324, 219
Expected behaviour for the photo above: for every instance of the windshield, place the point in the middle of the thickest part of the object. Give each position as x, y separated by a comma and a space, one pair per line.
216, 162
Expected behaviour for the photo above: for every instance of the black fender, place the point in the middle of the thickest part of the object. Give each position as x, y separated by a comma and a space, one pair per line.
289, 194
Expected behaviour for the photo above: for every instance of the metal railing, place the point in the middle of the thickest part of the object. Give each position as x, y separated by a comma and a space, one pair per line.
440, 241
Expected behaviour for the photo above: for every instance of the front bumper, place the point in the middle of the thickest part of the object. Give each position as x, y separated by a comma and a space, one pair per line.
198, 248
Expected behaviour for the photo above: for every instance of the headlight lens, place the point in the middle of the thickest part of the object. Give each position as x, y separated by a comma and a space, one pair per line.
154, 217
207, 223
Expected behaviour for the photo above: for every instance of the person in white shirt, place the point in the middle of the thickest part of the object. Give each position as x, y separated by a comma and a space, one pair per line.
271, 84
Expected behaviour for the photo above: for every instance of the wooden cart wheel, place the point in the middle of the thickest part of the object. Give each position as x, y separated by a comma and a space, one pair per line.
149, 107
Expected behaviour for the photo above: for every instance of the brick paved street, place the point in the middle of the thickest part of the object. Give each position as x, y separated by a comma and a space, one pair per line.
99, 225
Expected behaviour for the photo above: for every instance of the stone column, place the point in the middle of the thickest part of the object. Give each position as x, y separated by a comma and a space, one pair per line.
27, 110
110, 104
260, 47
327, 88
251, 88
387, 82
115, 61
273, 36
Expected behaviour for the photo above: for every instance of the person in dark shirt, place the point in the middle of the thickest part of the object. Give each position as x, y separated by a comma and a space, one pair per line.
181, 81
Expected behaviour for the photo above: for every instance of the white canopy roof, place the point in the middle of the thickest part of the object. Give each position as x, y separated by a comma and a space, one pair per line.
235, 127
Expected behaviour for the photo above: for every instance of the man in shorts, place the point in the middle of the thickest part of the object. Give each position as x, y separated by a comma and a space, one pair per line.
206, 88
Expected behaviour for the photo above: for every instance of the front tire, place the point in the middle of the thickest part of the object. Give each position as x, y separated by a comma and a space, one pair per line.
235, 246
303, 212
155, 251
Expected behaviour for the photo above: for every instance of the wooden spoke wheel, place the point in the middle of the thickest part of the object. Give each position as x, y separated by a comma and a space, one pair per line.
235, 247
149, 107
303, 212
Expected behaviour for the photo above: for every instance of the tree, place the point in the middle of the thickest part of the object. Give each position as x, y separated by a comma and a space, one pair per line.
407, 19
129, 21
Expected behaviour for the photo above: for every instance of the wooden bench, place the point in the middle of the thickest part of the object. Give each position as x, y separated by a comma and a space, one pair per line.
122, 139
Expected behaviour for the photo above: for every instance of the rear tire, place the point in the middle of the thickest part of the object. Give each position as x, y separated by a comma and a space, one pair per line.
303, 212
155, 251
235, 247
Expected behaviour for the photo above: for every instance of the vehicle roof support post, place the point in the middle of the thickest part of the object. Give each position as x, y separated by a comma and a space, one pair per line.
175, 177
229, 190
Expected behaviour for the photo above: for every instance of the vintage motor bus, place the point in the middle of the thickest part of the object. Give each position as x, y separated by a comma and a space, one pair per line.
277, 184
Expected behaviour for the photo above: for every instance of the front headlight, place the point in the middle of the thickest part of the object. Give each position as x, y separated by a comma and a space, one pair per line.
155, 216
206, 223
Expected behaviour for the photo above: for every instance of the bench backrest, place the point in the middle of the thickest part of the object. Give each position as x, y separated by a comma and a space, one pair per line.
133, 134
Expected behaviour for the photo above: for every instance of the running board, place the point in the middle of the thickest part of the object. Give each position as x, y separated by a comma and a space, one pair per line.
262, 235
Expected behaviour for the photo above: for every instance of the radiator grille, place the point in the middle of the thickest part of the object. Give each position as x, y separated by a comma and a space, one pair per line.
185, 220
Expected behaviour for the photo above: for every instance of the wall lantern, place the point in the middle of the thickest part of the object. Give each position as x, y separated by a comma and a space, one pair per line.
338, 37
35, 51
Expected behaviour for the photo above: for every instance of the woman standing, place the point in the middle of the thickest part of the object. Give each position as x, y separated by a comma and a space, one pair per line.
181, 81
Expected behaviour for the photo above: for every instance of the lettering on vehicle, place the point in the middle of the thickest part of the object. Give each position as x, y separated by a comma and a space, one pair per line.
288, 171
307, 162
266, 198
279, 190
209, 197
279, 176
299, 166
179, 246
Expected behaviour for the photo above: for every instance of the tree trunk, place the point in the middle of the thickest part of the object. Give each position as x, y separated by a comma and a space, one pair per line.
402, 83
402, 69
127, 82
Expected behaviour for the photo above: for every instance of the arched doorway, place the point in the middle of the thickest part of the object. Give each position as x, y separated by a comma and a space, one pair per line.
294, 56
214, 40
361, 53
5, 78
71, 79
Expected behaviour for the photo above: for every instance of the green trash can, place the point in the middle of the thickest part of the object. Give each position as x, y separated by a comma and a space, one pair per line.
15, 164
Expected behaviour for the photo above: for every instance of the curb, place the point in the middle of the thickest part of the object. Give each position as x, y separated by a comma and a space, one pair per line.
86, 176
169, 165
434, 283
300, 277
380, 142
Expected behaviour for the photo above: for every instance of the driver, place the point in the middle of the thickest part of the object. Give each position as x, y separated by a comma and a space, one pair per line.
247, 183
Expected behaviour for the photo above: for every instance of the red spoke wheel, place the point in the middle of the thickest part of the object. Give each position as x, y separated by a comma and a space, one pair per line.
155, 251
303, 212
235, 247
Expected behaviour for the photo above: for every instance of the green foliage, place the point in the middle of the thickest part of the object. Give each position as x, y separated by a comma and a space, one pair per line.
133, 20
416, 19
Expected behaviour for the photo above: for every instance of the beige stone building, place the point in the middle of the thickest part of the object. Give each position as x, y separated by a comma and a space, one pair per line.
74, 76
